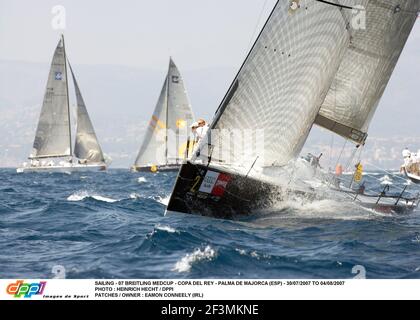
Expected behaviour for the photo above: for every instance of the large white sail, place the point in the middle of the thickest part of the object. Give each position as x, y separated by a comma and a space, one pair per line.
53, 137
367, 66
180, 116
167, 133
87, 147
281, 85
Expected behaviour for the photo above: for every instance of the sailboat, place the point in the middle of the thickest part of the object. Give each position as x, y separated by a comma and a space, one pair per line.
53, 138
167, 143
310, 65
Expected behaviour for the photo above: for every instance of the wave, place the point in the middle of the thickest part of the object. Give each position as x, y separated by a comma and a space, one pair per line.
164, 201
321, 209
82, 195
186, 263
134, 196
142, 180
252, 254
166, 228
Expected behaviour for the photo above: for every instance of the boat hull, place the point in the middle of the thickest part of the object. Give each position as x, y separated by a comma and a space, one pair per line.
170, 168
63, 169
212, 192
414, 178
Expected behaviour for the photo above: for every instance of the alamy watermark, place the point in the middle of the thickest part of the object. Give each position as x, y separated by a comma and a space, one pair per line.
59, 272
359, 272
58, 21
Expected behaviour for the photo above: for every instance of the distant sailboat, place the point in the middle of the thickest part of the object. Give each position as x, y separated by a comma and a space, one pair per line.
53, 138
308, 66
166, 143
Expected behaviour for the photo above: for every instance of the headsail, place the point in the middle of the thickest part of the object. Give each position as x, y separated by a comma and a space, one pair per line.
166, 136
53, 135
86, 146
367, 67
281, 85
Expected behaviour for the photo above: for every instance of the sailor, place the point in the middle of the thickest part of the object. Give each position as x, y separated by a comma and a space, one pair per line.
34, 163
194, 128
314, 162
362, 189
407, 156
202, 129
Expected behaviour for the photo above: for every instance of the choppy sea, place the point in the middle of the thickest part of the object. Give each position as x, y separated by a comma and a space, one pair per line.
112, 225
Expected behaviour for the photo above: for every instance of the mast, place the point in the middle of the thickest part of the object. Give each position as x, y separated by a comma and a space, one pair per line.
68, 100
167, 112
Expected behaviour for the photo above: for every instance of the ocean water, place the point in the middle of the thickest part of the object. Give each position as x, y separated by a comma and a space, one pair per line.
112, 225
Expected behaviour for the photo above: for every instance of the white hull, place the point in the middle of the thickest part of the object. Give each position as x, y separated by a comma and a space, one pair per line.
414, 178
63, 169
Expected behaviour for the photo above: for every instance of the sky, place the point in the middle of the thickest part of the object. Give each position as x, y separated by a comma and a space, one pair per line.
137, 33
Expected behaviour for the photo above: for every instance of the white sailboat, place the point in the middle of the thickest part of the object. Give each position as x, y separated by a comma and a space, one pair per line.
166, 143
308, 66
52, 148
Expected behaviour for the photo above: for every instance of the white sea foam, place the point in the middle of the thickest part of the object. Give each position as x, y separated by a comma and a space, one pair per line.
241, 252
166, 228
134, 196
142, 180
320, 209
82, 195
164, 201
386, 180
185, 264
252, 254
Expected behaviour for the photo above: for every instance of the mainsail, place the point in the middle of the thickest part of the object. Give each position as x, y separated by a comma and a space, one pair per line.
86, 146
167, 134
367, 66
281, 85
53, 135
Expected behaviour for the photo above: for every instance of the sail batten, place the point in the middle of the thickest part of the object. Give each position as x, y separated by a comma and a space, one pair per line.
167, 133
53, 138
87, 147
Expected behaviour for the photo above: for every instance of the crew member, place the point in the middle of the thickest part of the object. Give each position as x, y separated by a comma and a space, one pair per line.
202, 129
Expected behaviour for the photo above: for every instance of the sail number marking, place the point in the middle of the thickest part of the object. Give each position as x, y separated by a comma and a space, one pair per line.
196, 184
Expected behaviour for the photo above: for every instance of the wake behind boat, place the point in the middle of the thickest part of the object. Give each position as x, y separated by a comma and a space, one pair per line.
329, 74
166, 145
52, 148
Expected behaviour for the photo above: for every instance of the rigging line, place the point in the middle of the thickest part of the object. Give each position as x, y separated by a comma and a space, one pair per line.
351, 159
375, 178
388, 172
341, 154
331, 152
256, 26
337, 5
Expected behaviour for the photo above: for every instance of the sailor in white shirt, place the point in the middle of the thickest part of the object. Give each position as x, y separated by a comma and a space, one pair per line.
407, 156
202, 129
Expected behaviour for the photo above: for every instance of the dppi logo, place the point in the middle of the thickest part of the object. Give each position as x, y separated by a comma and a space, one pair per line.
27, 290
